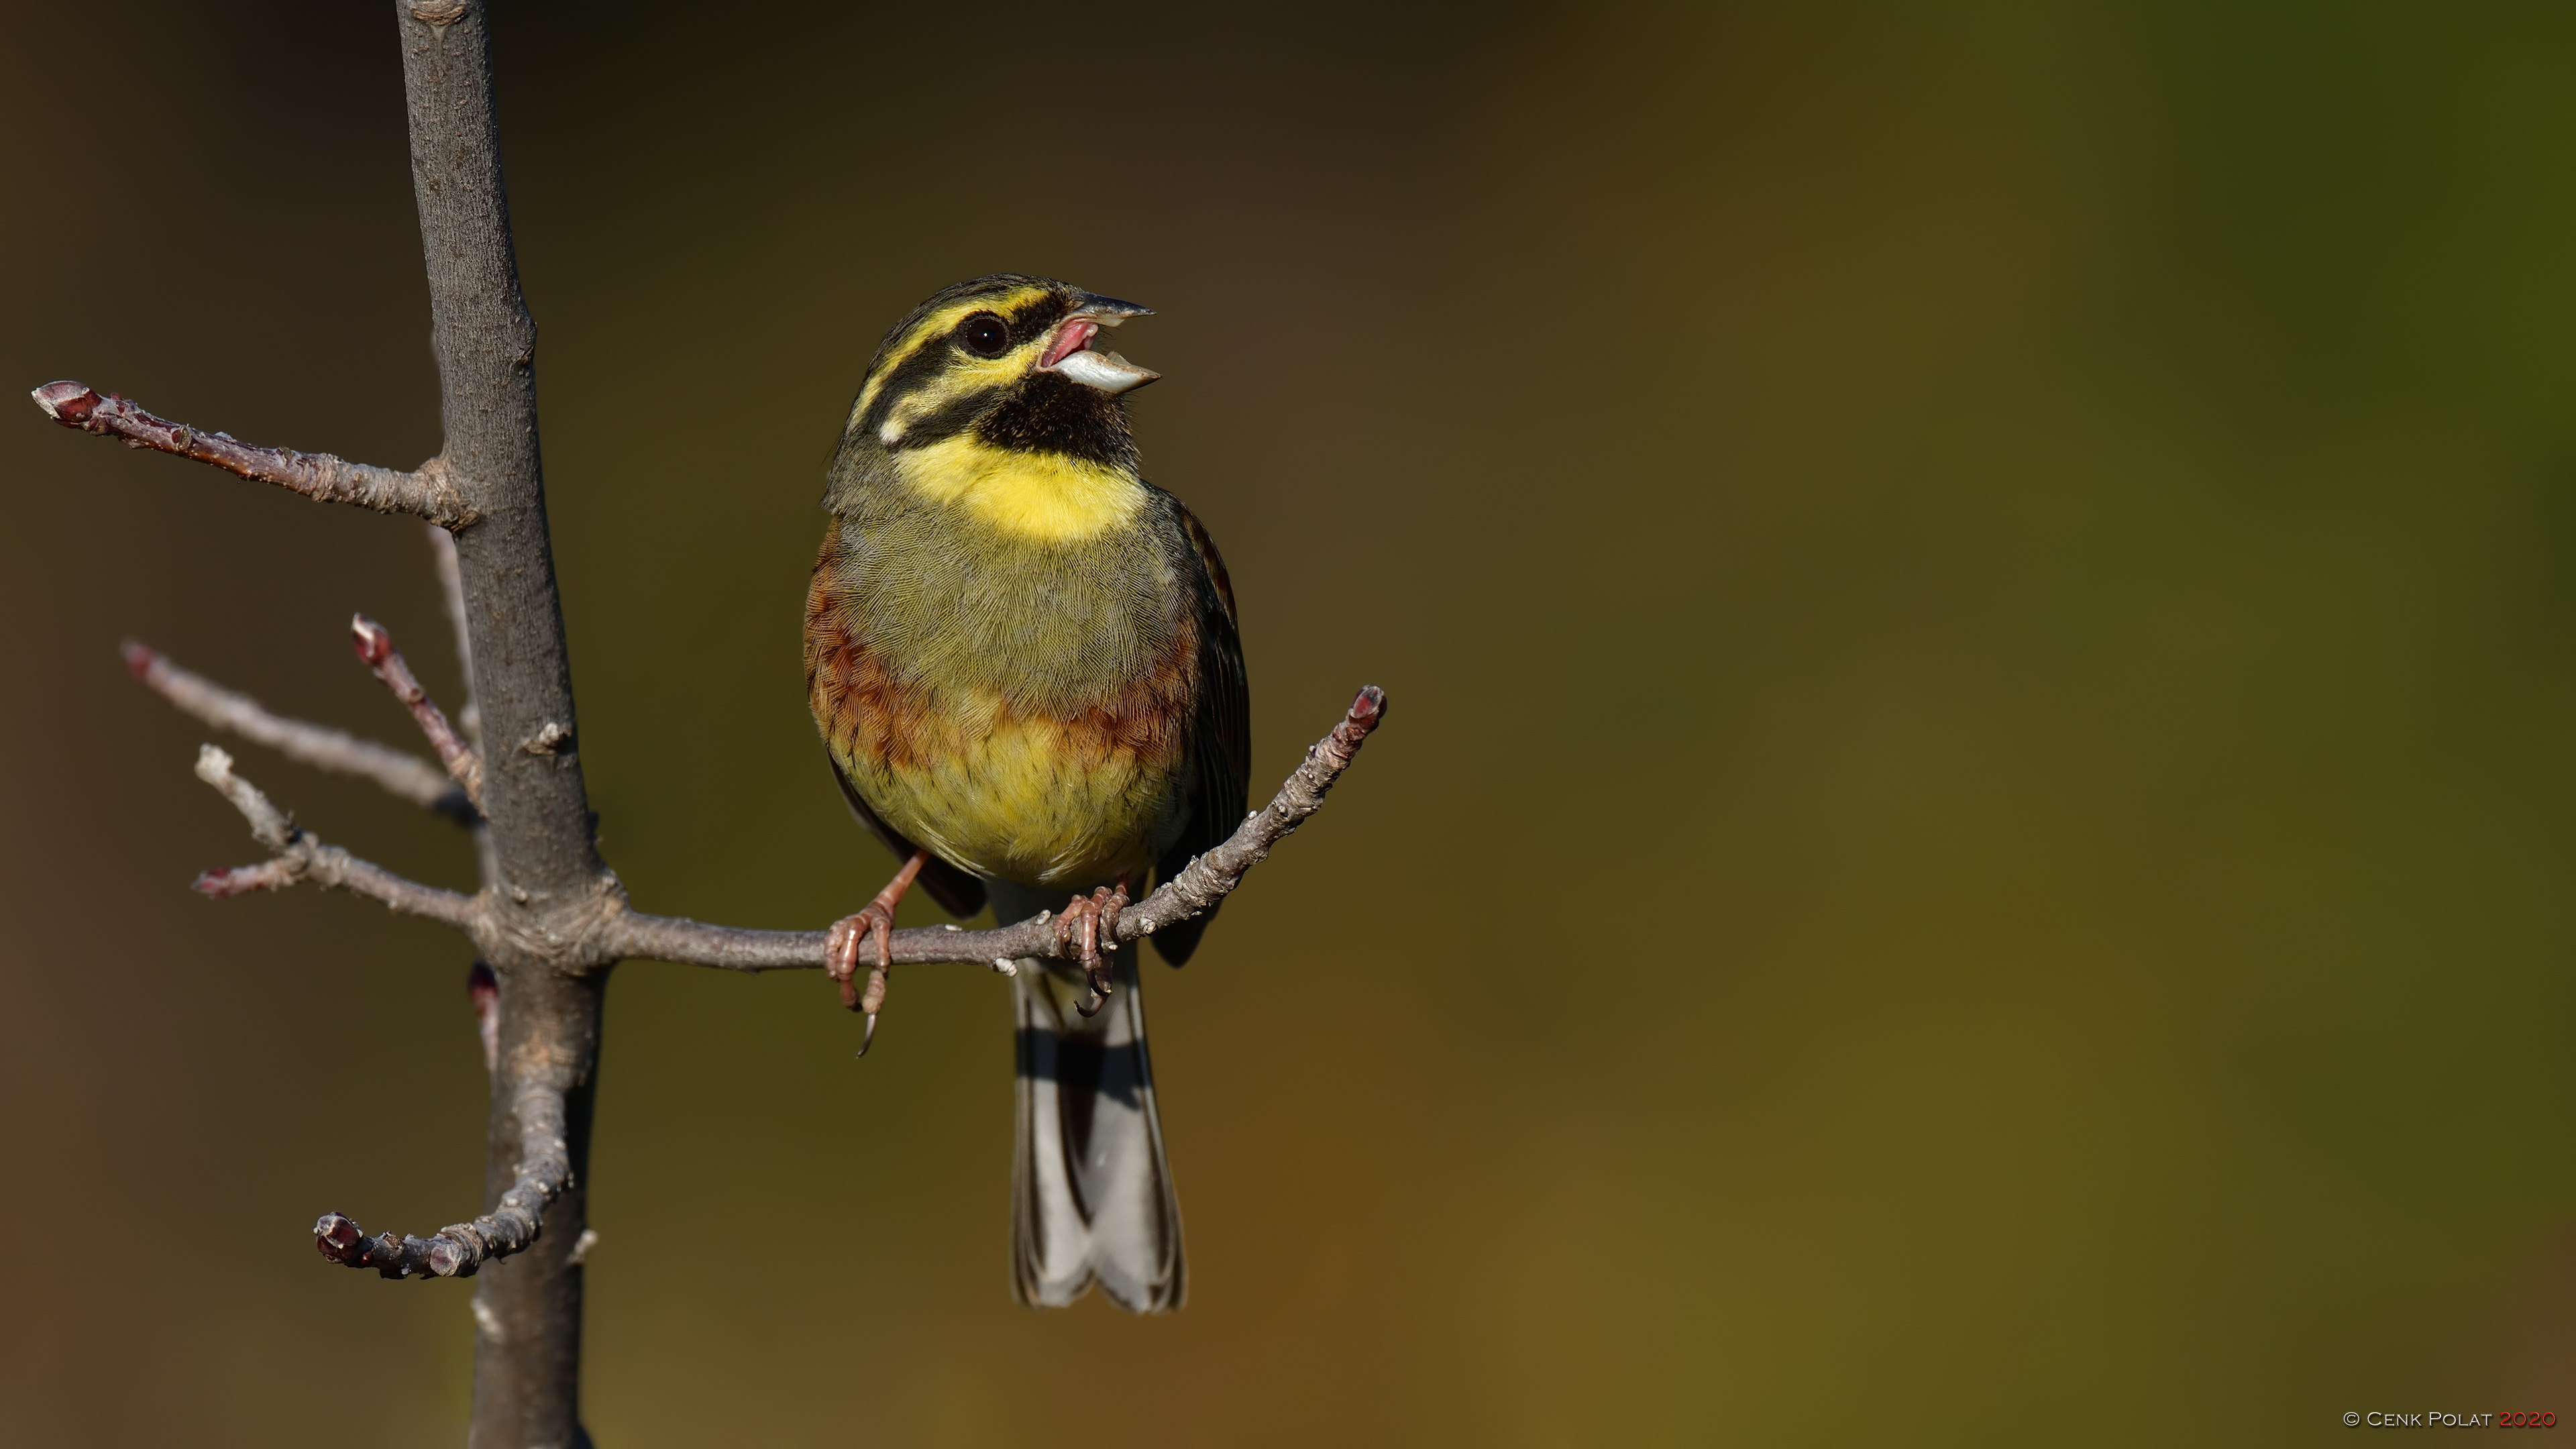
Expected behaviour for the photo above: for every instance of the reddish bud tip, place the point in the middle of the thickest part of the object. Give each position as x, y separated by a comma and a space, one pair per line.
139, 658
239, 881
370, 639
340, 1240
68, 403
1368, 711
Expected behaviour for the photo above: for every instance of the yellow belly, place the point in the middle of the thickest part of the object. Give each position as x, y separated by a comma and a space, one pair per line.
1038, 801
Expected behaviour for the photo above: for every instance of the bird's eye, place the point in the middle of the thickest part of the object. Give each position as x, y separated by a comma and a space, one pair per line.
986, 335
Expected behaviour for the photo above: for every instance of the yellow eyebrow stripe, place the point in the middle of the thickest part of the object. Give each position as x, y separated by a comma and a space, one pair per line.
935, 325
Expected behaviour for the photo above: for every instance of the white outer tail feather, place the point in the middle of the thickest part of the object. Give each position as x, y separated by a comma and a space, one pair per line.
1091, 1190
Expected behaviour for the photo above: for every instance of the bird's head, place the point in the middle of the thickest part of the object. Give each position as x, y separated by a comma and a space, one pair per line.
1005, 362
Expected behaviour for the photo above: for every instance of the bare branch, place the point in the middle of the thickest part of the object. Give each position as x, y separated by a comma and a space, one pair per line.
731, 948
456, 1251
268, 824
543, 851
1201, 884
1209, 878
302, 857
241, 880
375, 645
451, 587
427, 493
469, 717
406, 775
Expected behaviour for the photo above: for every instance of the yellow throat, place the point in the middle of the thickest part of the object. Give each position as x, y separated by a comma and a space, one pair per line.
1043, 496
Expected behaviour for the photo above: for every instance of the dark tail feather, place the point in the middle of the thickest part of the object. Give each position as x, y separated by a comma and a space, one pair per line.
1091, 1192
1176, 942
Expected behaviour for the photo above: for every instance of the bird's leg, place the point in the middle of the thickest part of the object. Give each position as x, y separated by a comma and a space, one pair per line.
841, 948
1088, 928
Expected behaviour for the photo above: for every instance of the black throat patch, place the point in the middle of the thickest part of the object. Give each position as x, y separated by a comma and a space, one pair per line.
1051, 413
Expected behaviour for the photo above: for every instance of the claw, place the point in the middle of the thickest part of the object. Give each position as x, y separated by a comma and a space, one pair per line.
1087, 930
874, 921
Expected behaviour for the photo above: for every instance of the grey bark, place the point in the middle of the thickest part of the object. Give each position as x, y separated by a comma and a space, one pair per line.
457, 1250
297, 855
425, 491
462, 761
527, 1353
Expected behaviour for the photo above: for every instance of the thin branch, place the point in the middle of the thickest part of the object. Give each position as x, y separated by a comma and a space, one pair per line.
375, 645
457, 1250
1211, 877
1200, 885
451, 587
300, 856
735, 948
427, 493
406, 775
469, 718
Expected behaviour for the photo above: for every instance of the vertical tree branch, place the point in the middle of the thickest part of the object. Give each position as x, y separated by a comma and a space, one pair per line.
527, 1360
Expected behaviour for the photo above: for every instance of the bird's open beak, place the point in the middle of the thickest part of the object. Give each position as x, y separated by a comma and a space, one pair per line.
1069, 350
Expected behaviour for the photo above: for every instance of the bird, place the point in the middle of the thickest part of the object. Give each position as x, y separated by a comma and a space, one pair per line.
1024, 662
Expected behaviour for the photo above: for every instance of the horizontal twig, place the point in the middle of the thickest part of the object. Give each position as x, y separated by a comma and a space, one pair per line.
300, 856
375, 645
426, 493
457, 1250
619, 933
1201, 884
406, 775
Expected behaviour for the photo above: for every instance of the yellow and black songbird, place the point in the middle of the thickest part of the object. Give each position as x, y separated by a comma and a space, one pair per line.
1024, 663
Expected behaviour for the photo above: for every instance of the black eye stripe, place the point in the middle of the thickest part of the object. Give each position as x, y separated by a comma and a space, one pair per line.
927, 359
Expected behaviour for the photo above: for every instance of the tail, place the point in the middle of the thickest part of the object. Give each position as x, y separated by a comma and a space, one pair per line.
1091, 1193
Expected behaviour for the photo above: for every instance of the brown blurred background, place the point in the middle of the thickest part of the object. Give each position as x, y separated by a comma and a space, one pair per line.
1973, 848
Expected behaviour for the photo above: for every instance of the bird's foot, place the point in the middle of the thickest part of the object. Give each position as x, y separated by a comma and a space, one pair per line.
874, 922
1087, 928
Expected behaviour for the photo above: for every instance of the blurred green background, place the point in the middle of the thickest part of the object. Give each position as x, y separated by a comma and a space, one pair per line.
1973, 847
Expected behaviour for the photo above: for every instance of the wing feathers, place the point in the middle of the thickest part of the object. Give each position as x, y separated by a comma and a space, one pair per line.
1221, 736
